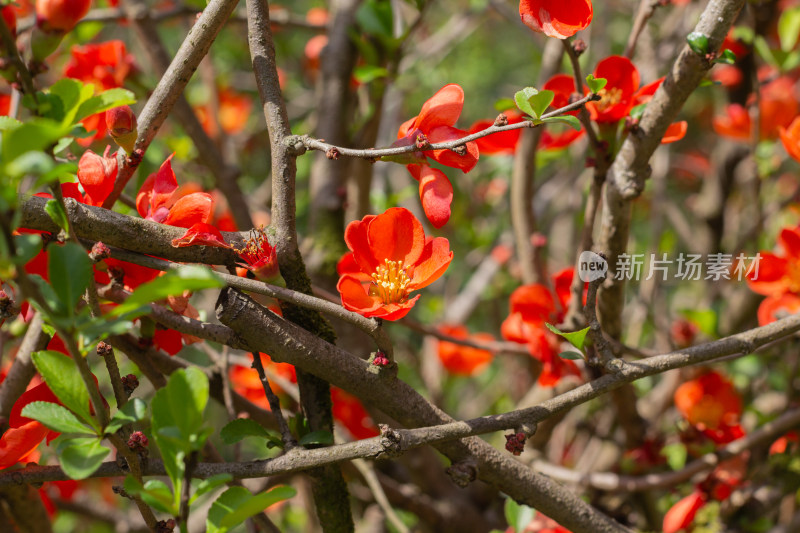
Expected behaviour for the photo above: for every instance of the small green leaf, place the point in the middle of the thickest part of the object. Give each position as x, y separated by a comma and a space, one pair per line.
316, 437
368, 73
63, 378
237, 504
523, 100
133, 411
174, 282
81, 457
595, 84
236, 430
706, 320
209, 484
55, 417
155, 493
638, 111
569, 120
518, 516
576, 338
676, 455
698, 43
70, 271
541, 101
9, 123
572, 356
103, 102
727, 58
789, 28
56, 213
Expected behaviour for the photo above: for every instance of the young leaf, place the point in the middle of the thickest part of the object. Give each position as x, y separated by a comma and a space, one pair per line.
155, 493
576, 338
63, 378
174, 282
789, 28
81, 457
727, 58
698, 43
522, 99
70, 272
569, 120
541, 101
133, 411
103, 102
237, 504
56, 417
56, 213
209, 484
316, 437
518, 516
572, 356
236, 430
595, 84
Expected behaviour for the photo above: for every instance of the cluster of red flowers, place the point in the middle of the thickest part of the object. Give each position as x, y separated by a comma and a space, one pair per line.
778, 278
712, 407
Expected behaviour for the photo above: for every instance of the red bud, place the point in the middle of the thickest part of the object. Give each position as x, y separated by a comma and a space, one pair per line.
120, 120
97, 175
60, 15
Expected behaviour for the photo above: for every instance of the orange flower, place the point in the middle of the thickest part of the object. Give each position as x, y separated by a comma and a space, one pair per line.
161, 200
60, 15
25, 434
391, 258
778, 107
778, 277
260, 255
709, 401
435, 124
234, 110
504, 142
349, 411
10, 17
790, 137
682, 514
617, 97
97, 175
463, 360
245, 380
556, 18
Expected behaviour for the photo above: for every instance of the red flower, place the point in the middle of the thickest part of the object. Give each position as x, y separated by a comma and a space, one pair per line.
790, 137
556, 18
681, 515
563, 87
351, 414
778, 107
435, 124
161, 200
233, 112
60, 15
260, 255
97, 175
201, 234
463, 360
504, 142
392, 258
246, 382
25, 434
617, 97
709, 401
10, 17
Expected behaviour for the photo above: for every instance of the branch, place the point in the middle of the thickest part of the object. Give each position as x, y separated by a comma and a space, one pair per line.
304, 141
173, 83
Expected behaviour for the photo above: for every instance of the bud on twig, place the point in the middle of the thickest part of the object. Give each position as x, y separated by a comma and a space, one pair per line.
121, 124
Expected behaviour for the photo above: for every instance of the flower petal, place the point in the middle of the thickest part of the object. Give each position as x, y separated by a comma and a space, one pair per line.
432, 263
441, 109
395, 235
436, 193
449, 158
201, 234
191, 209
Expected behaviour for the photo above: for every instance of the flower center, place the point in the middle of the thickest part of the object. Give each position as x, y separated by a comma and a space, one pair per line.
390, 282
609, 97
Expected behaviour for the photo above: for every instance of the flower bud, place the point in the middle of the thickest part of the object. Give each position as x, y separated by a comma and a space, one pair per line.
121, 124
97, 175
60, 15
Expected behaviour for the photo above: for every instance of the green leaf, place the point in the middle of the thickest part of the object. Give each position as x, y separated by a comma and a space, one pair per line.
569, 120
103, 102
705, 320
237, 504
155, 493
55, 417
27, 245
174, 282
789, 28
576, 338
727, 58
71, 93
698, 43
63, 378
541, 101
527, 101
133, 411
504, 104
70, 271
676, 455
209, 484
572, 356
236, 430
34, 135
368, 73
8, 123
56, 213
638, 111
518, 516
595, 84
316, 437
81, 457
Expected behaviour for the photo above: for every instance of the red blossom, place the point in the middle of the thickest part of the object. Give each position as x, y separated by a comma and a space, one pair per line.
97, 175
201, 234
617, 97
60, 15
462, 360
161, 200
260, 255
681, 515
709, 401
556, 18
392, 258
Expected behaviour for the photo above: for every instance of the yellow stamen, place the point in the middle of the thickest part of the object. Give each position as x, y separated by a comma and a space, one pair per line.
609, 97
390, 282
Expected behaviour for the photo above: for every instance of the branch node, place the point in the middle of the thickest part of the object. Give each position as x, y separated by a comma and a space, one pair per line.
463, 472
295, 145
391, 442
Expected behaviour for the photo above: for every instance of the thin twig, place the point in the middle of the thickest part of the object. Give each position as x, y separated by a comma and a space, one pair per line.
274, 404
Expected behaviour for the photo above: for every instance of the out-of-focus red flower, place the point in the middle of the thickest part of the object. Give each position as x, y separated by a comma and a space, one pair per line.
317, 15
778, 107
25, 434
556, 18
683, 332
161, 200
782, 444
790, 137
349, 411
463, 360
313, 51
97, 175
530, 307
681, 515
675, 132
778, 277
10, 17
617, 97
234, 110
541, 524
245, 380
392, 258
60, 15
436, 123
709, 401
504, 142
107, 65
